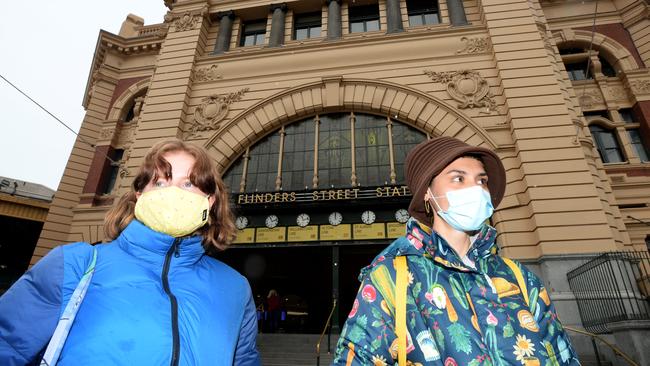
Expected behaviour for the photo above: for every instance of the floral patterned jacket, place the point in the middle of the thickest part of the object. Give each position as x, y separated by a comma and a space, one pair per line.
459, 312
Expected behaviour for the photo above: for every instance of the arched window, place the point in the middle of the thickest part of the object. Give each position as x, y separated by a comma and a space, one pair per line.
132, 111
326, 151
607, 144
579, 66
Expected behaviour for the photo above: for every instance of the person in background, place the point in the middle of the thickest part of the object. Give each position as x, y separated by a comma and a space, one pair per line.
156, 296
274, 308
464, 305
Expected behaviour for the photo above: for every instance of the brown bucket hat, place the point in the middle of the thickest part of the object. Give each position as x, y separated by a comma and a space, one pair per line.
429, 158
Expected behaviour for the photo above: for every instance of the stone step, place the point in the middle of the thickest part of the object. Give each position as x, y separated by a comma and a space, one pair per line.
293, 349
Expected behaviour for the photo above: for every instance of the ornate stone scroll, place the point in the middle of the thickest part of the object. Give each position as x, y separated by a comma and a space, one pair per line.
212, 110
206, 74
467, 87
474, 45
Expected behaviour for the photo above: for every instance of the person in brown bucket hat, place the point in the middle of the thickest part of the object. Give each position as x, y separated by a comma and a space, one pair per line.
428, 159
440, 294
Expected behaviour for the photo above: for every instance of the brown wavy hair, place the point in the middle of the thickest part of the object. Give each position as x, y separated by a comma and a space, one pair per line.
218, 233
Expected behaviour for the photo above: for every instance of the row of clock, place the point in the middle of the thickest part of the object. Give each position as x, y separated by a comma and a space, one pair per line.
335, 218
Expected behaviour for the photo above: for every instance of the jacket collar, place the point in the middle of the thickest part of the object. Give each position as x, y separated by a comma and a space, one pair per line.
151, 246
420, 240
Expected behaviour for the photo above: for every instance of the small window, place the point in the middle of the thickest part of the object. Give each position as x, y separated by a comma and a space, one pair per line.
607, 144
603, 114
422, 12
112, 171
578, 71
606, 67
571, 50
627, 115
639, 147
253, 33
130, 114
307, 26
364, 18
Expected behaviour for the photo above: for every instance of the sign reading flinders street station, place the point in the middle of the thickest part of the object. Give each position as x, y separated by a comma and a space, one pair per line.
363, 230
323, 195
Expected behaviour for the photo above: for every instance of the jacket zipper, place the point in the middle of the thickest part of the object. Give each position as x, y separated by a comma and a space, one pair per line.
172, 299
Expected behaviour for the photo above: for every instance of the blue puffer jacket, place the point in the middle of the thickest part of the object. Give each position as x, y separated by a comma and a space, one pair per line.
152, 297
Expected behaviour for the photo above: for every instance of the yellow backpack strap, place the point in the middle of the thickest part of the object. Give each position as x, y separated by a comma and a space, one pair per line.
519, 276
400, 308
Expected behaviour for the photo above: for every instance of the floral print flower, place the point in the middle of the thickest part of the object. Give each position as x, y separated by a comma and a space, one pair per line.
523, 348
378, 360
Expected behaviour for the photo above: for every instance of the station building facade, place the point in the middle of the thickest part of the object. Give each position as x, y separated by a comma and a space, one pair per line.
309, 108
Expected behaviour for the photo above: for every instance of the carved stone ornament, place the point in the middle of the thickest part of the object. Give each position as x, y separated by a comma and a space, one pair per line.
617, 92
206, 74
124, 171
589, 98
641, 86
212, 110
106, 133
466, 87
185, 22
474, 45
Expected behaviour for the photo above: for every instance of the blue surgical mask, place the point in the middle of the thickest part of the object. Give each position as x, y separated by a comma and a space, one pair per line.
468, 208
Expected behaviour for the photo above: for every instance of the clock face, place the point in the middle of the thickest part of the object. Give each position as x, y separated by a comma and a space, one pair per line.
368, 217
402, 215
335, 218
241, 222
272, 221
302, 220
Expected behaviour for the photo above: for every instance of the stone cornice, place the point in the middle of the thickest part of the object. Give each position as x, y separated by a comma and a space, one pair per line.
349, 42
149, 42
583, 21
635, 13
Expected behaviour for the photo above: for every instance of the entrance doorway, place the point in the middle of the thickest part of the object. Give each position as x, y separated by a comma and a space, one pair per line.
303, 277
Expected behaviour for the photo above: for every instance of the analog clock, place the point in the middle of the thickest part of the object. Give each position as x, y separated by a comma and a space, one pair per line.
272, 221
402, 215
368, 217
241, 222
302, 220
335, 218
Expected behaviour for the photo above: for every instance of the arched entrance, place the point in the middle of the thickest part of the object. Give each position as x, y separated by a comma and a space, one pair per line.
319, 194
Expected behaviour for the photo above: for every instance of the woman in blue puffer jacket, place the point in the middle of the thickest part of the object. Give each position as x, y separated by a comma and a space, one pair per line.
156, 297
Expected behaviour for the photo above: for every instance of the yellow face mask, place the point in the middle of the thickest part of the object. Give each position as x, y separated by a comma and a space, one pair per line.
172, 211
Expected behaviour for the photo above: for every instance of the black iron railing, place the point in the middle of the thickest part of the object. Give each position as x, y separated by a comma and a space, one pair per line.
612, 287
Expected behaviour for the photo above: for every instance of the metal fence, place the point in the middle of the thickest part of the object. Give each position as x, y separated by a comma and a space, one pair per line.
612, 287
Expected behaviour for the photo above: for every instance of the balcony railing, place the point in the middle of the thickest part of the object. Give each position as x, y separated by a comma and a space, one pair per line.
612, 287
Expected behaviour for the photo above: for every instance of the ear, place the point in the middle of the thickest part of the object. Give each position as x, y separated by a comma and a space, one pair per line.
427, 195
137, 195
212, 200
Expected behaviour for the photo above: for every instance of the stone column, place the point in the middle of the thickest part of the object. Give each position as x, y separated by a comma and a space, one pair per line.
225, 32
333, 19
456, 12
394, 16
167, 110
277, 25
